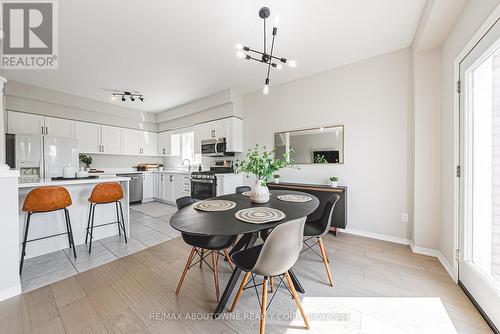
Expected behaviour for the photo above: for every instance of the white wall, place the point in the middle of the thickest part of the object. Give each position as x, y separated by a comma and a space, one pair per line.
426, 150
371, 99
473, 15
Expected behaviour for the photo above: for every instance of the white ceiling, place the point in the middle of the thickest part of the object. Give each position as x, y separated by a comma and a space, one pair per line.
176, 51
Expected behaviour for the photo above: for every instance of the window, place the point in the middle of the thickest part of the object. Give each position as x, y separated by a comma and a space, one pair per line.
187, 147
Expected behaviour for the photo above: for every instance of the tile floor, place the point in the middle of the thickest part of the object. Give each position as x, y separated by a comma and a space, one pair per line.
149, 226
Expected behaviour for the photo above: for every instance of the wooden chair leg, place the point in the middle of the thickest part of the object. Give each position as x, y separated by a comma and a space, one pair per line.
186, 268
325, 261
226, 254
240, 291
263, 307
216, 275
201, 257
271, 281
326, 254
296, 298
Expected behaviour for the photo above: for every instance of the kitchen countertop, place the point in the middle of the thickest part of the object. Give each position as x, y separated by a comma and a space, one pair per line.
43, 183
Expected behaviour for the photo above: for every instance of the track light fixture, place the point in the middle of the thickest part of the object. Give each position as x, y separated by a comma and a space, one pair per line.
265, 57
124, 95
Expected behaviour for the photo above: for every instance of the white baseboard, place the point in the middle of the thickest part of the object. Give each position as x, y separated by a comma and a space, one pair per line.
10, 292
403, 241
378, 236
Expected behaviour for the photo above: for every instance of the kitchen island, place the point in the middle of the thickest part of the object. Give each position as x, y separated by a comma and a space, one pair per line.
43, 224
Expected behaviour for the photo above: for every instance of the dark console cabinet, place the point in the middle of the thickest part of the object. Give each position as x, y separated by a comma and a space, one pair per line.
322, 192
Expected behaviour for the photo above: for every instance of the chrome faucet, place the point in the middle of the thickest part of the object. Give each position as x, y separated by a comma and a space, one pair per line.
189, 164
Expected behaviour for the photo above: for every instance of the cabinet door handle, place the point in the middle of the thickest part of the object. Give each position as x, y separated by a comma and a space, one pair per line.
46, 130
103, 148
43, 130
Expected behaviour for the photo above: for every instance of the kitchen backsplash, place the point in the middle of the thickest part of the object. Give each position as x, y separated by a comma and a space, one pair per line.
121, 161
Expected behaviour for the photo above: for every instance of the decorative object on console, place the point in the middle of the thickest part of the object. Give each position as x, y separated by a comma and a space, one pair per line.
125, 94
263, 166
334, 181
265, 57
86, 159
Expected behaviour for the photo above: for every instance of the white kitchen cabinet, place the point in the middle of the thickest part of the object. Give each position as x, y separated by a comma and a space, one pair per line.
26, 124
182, 185
230, 128
234, 134
59, 127
157, 186
164, 143
148, 143
88, 136
130, 142
148, 190
110, 139
169, 188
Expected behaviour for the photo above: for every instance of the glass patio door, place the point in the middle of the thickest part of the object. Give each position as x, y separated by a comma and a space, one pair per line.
479, 264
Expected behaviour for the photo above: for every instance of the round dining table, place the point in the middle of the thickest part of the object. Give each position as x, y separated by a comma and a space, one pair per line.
202, 223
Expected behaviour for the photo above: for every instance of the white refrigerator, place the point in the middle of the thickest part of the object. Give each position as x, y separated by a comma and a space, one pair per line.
50, 154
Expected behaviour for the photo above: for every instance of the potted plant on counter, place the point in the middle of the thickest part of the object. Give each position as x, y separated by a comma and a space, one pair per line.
263, 165
276, 178
160, 167
334, 182
86, 159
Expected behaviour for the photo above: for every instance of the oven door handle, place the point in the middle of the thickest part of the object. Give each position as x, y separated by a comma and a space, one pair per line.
201, 181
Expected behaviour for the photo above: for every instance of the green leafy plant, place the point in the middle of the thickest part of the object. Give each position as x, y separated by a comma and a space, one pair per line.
86, 159
320, 159
263, 164
334, 179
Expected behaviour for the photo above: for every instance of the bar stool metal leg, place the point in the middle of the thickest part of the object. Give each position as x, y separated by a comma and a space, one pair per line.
123, 222
70, 231
118, 220
23, 253
91, 229
88, 223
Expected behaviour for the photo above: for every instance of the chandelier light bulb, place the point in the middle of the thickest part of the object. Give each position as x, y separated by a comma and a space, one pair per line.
238, 46
265, 90
240, 54
292, 63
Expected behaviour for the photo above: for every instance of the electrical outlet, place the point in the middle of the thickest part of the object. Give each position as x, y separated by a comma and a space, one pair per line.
404, 218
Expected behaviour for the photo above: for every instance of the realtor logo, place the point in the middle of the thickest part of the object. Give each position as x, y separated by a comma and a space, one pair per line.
30, 34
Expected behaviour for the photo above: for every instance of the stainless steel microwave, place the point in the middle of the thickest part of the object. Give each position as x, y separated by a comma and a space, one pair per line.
215, 147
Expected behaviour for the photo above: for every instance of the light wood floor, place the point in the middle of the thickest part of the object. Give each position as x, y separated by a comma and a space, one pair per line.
122, 296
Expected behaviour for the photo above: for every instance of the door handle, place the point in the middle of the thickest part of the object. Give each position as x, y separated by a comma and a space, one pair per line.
43, 130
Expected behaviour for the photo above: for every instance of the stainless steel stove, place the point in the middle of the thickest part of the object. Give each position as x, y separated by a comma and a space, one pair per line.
203, 185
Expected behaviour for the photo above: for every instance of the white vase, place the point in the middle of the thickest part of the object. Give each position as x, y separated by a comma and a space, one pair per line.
277, 180
260, 193
334, 184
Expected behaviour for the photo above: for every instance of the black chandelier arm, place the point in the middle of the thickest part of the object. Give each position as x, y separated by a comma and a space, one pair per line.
275, 30
248, 49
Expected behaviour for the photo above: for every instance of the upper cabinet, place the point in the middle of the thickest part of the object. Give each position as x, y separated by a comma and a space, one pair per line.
89, 137
58, 127
229, 128
111, 139
26, 124
29, 124
164, 143
148, 143
130, 141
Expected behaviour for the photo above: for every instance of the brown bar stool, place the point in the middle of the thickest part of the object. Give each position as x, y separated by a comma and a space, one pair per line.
43, 200
105, 193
